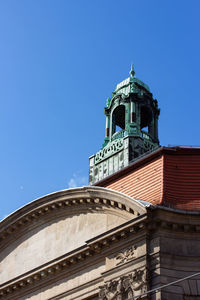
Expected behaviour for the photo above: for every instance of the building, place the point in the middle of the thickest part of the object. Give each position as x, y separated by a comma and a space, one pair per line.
135, 229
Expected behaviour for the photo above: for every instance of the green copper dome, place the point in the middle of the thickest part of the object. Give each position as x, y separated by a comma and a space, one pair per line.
130, 85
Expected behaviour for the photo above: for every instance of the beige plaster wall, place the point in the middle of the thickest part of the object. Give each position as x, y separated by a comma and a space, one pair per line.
53, 239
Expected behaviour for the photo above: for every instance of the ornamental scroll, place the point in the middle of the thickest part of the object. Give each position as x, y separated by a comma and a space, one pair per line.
125, 287
109, 150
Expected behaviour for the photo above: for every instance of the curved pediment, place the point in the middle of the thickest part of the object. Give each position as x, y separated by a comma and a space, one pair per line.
58, 223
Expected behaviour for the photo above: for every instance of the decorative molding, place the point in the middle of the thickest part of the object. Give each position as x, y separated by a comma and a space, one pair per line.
126, 286
44, 210
112, 148
88, 197
126, 255
92, 247
170, 225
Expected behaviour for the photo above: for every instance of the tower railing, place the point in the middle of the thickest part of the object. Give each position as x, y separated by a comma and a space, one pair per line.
118, 135
145, 135
122, 133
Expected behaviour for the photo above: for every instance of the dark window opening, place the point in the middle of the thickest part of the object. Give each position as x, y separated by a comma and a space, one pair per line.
118, 118
146, 117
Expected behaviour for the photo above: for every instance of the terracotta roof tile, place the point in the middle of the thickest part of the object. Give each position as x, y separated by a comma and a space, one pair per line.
169, 176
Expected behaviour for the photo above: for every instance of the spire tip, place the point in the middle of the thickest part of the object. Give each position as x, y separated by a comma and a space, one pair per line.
132, 72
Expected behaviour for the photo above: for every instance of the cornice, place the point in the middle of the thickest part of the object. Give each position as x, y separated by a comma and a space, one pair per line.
172, 221
93, 247
83, 198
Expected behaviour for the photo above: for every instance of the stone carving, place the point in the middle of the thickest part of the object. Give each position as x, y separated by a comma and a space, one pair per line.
109, 150
125, 287
127, 255
111, 290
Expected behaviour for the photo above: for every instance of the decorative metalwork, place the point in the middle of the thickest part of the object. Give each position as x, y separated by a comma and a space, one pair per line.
109, 150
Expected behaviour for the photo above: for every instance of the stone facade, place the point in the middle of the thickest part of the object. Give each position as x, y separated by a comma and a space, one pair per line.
95, 243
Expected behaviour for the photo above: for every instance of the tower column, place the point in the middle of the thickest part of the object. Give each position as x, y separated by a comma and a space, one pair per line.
132, 112
151, 127
156, 126
138, 117
127, 114
107, 125
112, 125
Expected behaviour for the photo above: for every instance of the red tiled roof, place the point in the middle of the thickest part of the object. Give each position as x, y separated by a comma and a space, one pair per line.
169, 176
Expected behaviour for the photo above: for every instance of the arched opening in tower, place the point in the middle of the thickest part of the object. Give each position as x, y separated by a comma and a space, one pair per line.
145, 119
118, 119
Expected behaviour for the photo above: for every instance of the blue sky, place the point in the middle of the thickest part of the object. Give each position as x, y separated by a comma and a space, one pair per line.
60, 60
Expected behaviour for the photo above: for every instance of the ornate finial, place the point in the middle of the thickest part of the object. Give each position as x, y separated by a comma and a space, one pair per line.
132, 72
